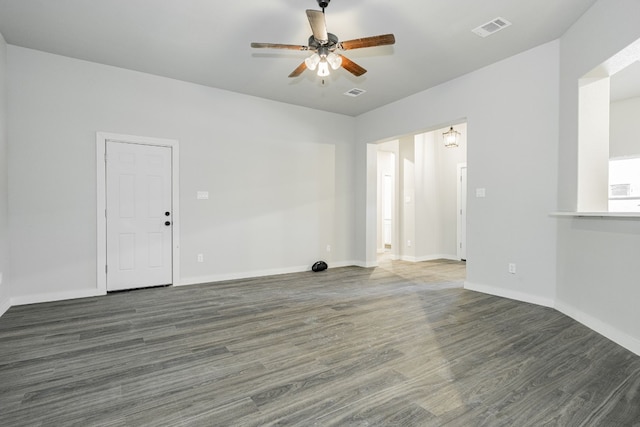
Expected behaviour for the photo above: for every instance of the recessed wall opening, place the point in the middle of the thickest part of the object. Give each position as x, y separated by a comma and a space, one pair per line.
418, 197
609, 135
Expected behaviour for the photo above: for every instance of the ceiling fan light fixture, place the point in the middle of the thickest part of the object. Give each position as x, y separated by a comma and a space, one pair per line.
312, 61
335, 61
323, 43
323, 68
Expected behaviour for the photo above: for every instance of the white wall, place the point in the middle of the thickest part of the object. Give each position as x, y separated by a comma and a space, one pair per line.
4, 226
598, 266
512, 120
624, 137
427, 204
407, 198
279, 176
593, 144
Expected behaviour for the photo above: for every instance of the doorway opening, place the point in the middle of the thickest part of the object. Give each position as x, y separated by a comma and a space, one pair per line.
386, 205
421, 211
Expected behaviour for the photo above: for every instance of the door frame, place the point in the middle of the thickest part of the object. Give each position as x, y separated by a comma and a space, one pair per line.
101, 201
461, 240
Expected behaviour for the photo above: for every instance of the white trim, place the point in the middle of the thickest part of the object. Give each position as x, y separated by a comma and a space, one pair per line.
258, 273
625, 340
4, 306
459, 168
101, 144
364, 264
56, 296
510, 294
342, 264
429, 258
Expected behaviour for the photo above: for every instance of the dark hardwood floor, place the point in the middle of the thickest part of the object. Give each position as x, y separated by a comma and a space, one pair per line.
399, 345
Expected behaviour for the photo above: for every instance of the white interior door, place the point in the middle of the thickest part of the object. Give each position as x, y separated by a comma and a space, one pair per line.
462, 212
138, 215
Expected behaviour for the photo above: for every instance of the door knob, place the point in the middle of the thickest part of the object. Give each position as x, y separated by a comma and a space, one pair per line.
167, 223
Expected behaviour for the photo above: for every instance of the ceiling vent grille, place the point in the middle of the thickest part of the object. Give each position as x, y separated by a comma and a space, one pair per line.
355, 92
491, 27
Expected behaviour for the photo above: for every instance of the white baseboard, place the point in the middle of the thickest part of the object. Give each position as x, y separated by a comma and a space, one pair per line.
429, 258
511, 294
439, 256
625, 340
603, 328
251, 274
55, 296
364, 264
5, 305
343, 264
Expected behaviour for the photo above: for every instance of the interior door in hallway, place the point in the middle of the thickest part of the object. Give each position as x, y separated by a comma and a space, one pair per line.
138, 215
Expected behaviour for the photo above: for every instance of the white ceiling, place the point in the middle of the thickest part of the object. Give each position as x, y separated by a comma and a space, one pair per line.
207, 41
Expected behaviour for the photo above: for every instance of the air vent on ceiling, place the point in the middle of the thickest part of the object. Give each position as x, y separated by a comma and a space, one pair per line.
355, 92
491, 27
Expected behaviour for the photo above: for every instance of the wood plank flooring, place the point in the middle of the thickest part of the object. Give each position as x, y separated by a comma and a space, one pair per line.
399, 345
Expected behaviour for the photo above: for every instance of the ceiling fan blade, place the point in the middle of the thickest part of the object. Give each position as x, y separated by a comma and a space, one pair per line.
299, 70
352, 67
279, 46
318, 26
382, 40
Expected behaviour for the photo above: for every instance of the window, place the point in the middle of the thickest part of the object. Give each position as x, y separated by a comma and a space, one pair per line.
624, 185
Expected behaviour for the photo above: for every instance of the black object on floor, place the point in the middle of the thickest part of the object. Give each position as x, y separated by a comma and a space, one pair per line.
319, 266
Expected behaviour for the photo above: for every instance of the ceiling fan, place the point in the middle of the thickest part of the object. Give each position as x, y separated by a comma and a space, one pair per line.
324, 45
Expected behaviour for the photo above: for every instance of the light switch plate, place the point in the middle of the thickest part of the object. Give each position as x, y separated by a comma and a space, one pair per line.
202, 195
481, 192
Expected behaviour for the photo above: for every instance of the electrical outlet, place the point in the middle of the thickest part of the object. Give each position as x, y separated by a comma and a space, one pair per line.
512, 268
408, 243
200, 257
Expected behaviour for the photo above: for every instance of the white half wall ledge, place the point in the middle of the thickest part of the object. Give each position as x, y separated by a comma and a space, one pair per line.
56, 296
510, 294
627, 215
625, 340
